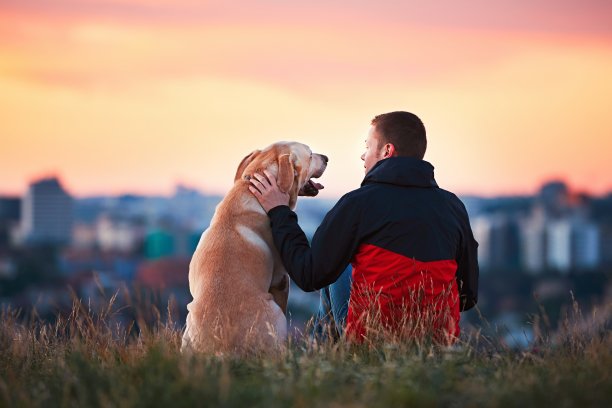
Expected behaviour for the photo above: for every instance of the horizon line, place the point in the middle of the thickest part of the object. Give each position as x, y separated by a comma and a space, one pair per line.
212, 192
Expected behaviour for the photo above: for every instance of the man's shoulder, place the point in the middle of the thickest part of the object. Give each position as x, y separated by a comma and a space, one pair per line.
354, 199
360, 193
453, 200
449, 195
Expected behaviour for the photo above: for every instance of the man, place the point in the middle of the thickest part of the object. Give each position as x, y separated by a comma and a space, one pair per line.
410, 244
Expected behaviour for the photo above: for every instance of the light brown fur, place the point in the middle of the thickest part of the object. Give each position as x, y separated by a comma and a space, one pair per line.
238, 283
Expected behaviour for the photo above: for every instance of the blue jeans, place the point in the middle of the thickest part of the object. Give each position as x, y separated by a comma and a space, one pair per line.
333, 306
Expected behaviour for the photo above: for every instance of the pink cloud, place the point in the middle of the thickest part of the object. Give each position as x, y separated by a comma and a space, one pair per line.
561, 16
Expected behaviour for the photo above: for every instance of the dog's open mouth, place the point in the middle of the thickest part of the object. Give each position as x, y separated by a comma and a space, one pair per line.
310, 189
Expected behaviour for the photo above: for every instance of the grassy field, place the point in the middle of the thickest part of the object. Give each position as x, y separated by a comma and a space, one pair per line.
86, 360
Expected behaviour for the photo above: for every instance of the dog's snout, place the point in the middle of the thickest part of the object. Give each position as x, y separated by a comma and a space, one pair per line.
325, 158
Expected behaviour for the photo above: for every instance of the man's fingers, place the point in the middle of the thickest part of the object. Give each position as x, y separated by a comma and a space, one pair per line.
262, 179
258, 185
254, 191
270, 177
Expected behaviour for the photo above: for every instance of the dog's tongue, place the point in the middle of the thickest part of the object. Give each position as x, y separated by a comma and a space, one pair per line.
318, 186
311, 188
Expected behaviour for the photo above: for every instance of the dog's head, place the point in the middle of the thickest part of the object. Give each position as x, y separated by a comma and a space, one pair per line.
293, 164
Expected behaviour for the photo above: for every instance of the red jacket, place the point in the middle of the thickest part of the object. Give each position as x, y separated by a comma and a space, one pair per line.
410, 243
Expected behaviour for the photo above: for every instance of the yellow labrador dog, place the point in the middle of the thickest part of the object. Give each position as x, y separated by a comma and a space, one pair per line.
236, 277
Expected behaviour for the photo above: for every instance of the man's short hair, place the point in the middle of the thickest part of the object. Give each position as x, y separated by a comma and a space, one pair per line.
404, 130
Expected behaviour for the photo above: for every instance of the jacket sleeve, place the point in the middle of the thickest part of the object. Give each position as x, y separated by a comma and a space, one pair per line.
467, 263
333, 245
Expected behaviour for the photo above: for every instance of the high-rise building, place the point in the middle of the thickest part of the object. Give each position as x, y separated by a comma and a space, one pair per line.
498, 239
46, 213
573, 243
559, 251
586, 244
534, 242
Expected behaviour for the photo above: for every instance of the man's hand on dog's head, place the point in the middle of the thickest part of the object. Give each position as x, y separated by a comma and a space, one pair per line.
266, 190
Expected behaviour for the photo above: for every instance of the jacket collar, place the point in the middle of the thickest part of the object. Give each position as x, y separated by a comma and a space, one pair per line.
402, 171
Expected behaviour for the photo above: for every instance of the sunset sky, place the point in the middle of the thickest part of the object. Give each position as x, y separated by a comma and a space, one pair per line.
136, 96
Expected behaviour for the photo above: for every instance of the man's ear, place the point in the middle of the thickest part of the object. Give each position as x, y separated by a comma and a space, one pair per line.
389, 150
286, 172
245, 162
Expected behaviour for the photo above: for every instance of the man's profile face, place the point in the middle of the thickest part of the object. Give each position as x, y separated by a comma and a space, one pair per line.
374, 150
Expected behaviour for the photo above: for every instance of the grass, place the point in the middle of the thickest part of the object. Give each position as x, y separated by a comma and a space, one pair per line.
89, 359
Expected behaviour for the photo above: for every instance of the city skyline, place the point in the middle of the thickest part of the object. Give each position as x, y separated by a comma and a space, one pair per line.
133, 96
558, 229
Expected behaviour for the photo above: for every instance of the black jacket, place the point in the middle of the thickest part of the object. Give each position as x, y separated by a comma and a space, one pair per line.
400, 209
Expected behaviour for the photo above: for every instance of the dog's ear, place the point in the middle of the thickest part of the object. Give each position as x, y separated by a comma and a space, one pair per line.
286, 172
245, 162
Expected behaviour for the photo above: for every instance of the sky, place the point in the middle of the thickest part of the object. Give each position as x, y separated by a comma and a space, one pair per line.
137, 96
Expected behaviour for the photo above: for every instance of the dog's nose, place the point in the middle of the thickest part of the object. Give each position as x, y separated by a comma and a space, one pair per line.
324, 157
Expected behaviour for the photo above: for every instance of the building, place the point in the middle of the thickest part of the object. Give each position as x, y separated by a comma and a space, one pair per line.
605, 245
534, 242
554, 198
559, 249
115, 233
585, 245
498, 241
10, 213
10, 208
573, 243
47, 213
